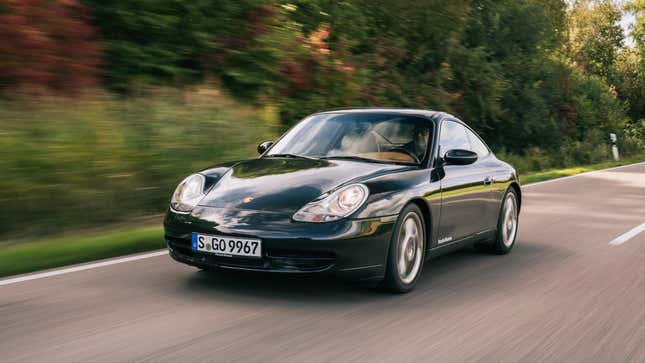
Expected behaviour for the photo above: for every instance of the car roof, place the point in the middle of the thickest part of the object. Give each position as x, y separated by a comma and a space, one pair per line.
403, 111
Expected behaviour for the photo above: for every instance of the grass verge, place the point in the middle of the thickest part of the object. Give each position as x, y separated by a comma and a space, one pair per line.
535, 177
38, 255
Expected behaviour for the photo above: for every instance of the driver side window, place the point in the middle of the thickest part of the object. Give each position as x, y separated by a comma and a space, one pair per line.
453, 136
477, 144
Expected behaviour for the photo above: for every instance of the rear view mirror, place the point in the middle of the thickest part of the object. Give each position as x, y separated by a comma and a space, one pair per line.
460, 157
264, 146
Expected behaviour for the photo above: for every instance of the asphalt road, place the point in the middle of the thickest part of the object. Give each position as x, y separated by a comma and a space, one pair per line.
564, 294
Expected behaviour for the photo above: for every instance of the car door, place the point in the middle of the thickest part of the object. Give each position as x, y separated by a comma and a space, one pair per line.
487, 163
464, 189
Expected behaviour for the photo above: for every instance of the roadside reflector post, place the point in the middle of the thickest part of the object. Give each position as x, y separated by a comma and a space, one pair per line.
614, 147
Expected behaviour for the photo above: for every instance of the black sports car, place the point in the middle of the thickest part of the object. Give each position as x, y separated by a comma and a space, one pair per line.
365, 193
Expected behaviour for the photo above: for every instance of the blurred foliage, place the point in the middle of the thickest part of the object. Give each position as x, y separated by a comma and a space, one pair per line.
97, 160
529, 73
47, 45
543, 81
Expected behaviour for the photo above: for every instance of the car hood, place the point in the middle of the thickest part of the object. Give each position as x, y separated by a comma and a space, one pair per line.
284, 185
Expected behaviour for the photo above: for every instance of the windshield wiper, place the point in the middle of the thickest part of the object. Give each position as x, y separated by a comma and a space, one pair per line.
289, 156
367, 160
353, 157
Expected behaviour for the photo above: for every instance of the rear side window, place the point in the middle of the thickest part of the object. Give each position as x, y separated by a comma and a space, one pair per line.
453, 136
477, 145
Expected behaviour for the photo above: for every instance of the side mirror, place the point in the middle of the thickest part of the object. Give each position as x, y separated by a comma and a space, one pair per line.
460, 157
264, 146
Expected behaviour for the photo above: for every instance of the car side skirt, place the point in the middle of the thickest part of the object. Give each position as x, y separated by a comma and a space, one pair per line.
452, 246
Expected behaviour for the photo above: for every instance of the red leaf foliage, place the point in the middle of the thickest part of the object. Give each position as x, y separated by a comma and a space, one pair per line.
47, 45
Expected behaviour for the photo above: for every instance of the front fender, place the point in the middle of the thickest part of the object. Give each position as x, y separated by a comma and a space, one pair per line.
390, 193
215, 173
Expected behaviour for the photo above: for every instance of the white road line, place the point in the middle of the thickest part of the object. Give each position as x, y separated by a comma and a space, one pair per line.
84, 267
627, 235
580, 174
115, 261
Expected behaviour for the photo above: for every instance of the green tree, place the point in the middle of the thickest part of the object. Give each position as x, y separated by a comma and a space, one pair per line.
630, 67
172, 42
630, 80
595, 35
637, 7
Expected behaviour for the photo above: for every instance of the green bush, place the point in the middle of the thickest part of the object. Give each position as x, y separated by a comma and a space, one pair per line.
76, 163
632, 139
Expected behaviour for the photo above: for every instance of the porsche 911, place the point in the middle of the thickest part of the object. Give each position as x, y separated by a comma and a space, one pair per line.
367, 194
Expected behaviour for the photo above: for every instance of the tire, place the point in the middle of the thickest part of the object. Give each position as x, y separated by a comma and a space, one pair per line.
406, 254
507, 225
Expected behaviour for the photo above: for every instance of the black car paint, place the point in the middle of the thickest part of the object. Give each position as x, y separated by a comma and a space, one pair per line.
287, 246
284, 185
256, 198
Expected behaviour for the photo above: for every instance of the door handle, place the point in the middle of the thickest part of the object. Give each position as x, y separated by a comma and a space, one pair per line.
488, 180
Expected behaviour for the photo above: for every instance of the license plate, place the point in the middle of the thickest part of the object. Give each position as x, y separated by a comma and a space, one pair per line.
227, 246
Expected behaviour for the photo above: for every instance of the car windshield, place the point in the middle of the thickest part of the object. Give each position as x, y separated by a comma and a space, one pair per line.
374, 137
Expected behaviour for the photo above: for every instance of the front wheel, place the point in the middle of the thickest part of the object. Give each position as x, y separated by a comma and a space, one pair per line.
406, 253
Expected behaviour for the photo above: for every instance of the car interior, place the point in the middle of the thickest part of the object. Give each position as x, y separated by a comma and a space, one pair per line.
397, 139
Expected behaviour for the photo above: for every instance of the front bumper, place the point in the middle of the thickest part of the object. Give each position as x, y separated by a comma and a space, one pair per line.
351, 248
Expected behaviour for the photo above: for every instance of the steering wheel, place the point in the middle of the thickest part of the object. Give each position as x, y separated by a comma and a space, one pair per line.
406, 152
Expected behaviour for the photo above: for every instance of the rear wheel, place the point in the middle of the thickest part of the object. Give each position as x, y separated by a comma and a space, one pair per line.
406, 254
507, 225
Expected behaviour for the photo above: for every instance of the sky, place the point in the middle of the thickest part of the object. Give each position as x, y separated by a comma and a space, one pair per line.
626, 22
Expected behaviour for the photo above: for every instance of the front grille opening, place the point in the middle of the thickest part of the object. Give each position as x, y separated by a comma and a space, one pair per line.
301, 260
318, 255
274, 259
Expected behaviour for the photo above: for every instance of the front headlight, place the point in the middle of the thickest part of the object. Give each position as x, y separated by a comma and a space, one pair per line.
337, 205
188, 193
